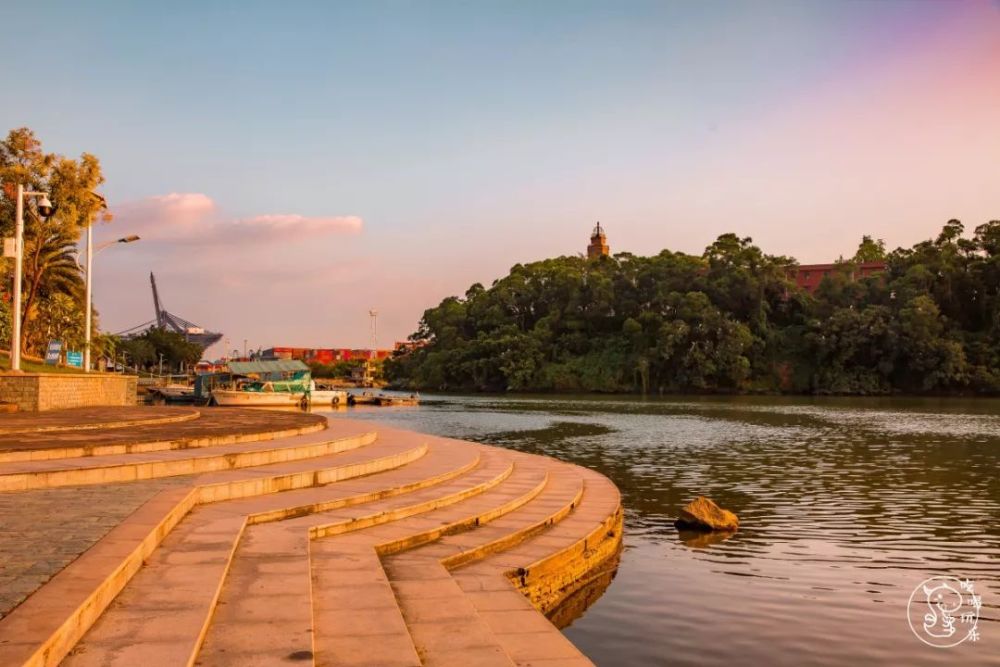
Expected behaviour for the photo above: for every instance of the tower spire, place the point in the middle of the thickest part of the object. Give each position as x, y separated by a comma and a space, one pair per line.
598, 243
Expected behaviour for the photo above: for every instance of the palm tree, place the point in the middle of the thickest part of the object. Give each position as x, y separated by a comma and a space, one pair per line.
50, 268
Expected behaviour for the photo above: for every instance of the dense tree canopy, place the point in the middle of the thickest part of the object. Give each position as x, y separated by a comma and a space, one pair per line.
730, 320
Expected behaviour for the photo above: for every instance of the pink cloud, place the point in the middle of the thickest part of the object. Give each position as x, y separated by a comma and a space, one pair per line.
193, 218
293, 226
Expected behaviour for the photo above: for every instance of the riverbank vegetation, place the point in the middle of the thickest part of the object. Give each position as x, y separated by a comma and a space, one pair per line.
730, 320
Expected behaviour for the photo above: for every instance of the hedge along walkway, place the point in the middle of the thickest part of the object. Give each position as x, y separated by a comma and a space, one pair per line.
341, 568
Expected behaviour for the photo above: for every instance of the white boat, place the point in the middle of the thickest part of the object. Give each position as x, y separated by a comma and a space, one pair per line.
327, 396
175, 391
262, 394
278, 393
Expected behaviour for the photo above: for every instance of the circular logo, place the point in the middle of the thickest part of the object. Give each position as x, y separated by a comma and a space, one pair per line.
944, 612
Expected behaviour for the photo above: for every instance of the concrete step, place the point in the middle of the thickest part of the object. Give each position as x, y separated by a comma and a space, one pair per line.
207, 547
448, 630
94, 419
356, 621
346, 567
272, 570
560, 499
60, 435
285, 546
509, 587
56, 617
410, 550
25, 475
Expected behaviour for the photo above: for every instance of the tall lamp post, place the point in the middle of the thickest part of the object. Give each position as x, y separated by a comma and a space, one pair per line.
91, 251
45, 209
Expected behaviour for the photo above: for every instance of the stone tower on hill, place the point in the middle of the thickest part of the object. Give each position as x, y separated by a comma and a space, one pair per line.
598, 243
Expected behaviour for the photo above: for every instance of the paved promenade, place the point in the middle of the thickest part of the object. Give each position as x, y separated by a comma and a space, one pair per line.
76, 516
353, 545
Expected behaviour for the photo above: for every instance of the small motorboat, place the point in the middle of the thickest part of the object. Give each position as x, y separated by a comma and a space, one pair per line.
263, 394
175, 391
172, 393
326, 396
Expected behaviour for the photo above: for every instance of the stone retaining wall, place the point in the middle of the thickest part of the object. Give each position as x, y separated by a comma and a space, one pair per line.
55, 391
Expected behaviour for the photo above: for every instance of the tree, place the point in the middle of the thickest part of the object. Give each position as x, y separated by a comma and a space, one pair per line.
145, 350
933, 358
50, 266
870, 251
729, 320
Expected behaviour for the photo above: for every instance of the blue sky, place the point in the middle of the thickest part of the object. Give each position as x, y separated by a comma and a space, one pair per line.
470, 136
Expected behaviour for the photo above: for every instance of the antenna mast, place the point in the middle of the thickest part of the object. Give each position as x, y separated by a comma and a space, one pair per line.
373, 314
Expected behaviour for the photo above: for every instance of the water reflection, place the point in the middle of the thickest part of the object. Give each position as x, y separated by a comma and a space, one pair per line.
574, 606
845, 506
699, 539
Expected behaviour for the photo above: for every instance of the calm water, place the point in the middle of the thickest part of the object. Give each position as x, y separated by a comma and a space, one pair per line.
846, 506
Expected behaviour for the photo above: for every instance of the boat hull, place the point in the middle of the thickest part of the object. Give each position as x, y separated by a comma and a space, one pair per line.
228, 397
328, 397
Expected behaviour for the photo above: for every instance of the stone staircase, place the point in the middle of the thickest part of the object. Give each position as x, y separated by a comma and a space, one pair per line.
354, 545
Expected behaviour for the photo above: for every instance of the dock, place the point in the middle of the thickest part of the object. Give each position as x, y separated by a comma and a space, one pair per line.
224, 537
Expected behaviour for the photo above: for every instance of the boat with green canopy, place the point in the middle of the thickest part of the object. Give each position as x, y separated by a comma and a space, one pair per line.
270, 383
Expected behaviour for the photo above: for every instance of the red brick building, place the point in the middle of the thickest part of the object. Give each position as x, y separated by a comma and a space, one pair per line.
809, 276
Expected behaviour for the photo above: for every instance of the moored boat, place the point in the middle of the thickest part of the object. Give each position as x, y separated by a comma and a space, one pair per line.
263, 394
327, 396
367, 398
175, 391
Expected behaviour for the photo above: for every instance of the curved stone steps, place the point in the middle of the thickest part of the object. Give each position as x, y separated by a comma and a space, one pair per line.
271, 570
447, 629
197, 556
354, 607
36, 425
583, 534
348, 572
26, 475
356, 619
486, 616
409, 550
511, 530
50, 622
507, 589
213, 427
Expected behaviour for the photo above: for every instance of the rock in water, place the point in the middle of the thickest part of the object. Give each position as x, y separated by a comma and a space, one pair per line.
703, 514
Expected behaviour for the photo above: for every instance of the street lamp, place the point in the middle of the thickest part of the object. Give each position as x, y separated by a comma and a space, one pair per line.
90, 297
45, 209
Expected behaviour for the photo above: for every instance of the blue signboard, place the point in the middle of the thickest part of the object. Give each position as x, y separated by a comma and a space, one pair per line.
52, 353
74, 359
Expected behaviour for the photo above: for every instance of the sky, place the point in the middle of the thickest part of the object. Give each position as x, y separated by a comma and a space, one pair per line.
290, 166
